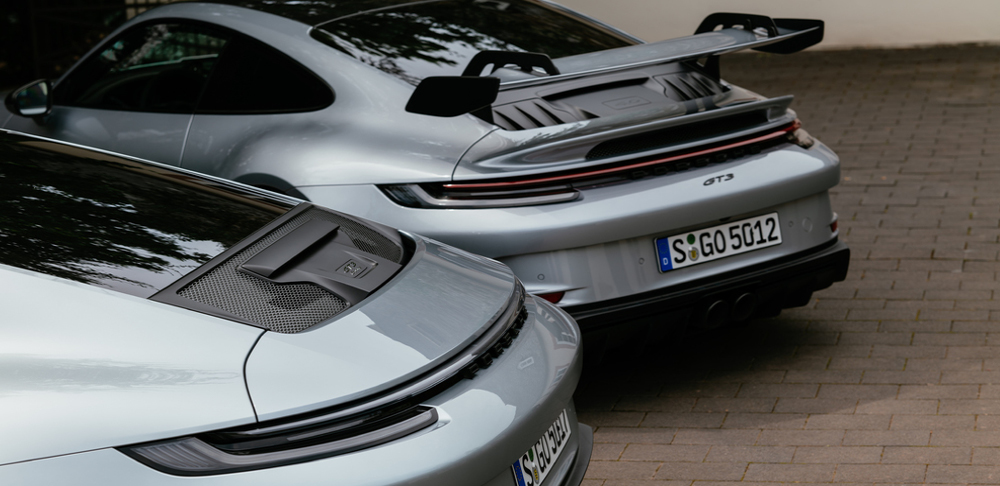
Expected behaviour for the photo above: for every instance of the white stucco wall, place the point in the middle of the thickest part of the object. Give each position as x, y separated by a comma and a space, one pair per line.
849, 23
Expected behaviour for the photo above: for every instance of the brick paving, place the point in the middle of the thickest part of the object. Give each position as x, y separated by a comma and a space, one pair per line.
891, 377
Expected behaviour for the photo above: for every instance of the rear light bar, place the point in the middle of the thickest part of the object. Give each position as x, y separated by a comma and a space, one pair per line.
572, 177
564, 187
194, 456
417, 196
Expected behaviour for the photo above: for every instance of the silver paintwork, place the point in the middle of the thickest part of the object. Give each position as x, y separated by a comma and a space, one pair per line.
153, 136
554, 247
642, 207
400, 332
335, 156
629, 266
486, 423
84, 368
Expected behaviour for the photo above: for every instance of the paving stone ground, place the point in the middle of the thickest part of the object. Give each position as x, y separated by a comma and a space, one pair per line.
891, 377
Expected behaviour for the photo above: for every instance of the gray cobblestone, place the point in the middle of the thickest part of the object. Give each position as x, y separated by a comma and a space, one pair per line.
724, 453
716, 436
790, 472
927, 455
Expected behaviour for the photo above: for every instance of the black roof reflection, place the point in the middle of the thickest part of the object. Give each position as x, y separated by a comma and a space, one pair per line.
313, 12
113, 222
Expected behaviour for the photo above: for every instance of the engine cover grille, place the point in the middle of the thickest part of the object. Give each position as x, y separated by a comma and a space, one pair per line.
284, 308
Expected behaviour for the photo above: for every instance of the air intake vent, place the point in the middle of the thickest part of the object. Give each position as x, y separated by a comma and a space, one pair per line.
532, 113
690, 86
676, 135
284, 308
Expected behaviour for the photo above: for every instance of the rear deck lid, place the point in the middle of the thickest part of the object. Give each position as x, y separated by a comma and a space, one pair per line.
432, 310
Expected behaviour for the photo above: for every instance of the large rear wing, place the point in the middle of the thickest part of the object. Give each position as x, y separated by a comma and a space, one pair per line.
718, 34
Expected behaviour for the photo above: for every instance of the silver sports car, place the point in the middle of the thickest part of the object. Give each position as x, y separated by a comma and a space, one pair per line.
161, 327
626, 181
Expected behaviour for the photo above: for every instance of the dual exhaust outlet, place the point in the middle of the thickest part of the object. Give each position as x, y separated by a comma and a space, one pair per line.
720, 311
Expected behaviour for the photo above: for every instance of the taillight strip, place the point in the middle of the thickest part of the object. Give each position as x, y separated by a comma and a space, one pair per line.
624, 168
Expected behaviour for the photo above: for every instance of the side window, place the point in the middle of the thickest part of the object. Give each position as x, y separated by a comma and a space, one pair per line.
153, 67
252, 77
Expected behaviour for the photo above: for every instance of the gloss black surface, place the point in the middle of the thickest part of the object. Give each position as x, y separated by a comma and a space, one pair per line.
440, 38
112, 222
312, 12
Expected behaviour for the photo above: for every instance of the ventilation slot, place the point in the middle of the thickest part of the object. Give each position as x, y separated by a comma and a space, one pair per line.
284, 308
690, 86
676, 135
531, 113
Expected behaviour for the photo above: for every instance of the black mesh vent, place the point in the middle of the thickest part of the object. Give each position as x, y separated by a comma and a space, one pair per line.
287, 308
690, 86
528, 114
365, 238
675, 135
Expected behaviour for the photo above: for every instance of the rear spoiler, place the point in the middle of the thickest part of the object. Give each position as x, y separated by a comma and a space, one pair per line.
718, 34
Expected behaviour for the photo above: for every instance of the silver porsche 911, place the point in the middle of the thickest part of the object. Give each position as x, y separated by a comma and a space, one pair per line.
162, 327
623, 180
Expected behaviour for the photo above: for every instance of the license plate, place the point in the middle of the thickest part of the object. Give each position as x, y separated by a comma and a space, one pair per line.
717, 242
532, 468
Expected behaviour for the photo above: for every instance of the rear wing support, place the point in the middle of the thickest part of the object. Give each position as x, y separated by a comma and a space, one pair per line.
803, 33
718, 34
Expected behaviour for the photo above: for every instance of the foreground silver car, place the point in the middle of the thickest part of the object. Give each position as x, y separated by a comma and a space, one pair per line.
161, 327
626, 181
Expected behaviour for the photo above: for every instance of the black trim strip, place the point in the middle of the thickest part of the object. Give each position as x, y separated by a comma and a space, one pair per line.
193, 457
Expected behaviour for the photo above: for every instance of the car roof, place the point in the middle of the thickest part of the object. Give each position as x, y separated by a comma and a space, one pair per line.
116, 222
314, 12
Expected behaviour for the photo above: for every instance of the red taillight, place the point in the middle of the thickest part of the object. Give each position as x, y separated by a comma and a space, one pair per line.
553, 297
575, 178
833, 225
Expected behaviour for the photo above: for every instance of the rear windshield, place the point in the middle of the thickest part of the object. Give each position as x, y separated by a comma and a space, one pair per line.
111, 222
439, 38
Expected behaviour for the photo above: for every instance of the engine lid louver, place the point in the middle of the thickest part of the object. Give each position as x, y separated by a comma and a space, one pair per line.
531, 113
690, 86
601, 98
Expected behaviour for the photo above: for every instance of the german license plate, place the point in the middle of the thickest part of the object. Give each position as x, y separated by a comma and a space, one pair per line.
717, 242
532, 468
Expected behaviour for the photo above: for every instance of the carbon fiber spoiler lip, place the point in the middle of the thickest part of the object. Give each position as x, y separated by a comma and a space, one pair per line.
688, 48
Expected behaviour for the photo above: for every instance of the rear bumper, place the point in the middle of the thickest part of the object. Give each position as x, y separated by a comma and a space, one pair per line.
485, 424
583, 452
775, 285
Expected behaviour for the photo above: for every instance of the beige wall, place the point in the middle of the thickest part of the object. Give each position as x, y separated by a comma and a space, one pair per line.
849, 23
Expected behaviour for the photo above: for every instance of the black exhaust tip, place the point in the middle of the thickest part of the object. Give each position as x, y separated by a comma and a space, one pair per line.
744, 306
716, 314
